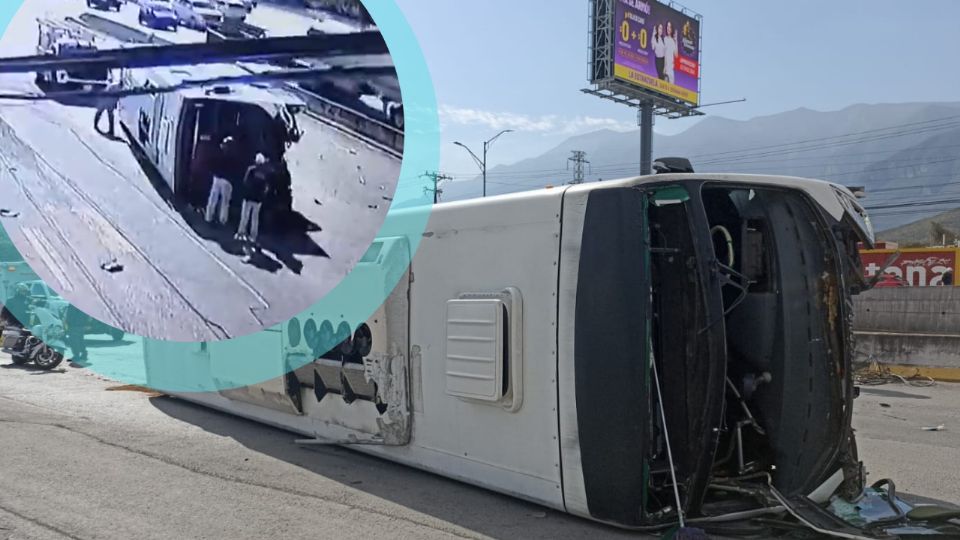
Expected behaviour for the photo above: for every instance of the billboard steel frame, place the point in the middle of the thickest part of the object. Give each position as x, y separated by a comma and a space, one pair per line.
605, 85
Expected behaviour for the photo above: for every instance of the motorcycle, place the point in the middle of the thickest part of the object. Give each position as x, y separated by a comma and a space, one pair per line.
42, 343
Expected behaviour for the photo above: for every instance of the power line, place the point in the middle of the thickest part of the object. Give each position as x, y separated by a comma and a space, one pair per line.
821, 139
821, 146
909, 204
534, 176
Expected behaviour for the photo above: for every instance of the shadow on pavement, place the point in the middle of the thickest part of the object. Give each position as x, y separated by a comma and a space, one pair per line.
891, 393
106, 343
473, 508
34, 369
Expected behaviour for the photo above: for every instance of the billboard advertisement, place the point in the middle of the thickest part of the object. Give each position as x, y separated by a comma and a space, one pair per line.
658, 48
915, 267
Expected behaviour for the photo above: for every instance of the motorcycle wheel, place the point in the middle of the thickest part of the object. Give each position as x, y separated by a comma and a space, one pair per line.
47, 358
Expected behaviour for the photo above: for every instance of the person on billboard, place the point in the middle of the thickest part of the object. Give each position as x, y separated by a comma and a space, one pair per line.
658, 49
671, 50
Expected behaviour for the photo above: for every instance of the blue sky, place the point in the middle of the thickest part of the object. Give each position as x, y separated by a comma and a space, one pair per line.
520, 64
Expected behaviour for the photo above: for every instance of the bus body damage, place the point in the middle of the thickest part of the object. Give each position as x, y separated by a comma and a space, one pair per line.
634, 352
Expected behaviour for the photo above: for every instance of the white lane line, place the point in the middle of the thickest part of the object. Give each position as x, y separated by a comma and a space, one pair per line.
51, 259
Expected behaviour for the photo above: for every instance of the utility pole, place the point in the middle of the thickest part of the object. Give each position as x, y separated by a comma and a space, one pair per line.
435, 177
579, 158
482, 163
645, 119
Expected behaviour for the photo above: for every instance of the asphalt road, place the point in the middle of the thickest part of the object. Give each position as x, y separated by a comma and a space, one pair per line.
82, 459
85, 199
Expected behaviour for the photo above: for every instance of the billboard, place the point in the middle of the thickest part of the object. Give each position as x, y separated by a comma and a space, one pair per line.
657, 47
917, 267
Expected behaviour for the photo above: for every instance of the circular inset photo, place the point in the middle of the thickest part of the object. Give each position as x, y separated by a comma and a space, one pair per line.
195, 170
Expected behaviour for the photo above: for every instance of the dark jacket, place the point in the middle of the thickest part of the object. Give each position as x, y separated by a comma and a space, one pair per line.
258, 182
229, 163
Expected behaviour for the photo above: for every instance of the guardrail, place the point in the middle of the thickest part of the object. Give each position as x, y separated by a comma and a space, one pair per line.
118, 31
387, 137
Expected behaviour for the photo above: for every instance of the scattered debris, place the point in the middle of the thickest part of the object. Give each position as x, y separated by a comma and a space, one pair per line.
113, 266
352, 151
4, 212
538, 514
941, 427
886, 405
383, 187
317, 202
387, 198
876, 374
355, 482
134, 388
373, 206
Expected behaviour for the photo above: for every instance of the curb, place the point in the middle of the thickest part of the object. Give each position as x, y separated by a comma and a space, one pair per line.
939, 374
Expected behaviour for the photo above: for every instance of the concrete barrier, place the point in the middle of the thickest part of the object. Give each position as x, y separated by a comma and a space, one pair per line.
388, 137
910, 326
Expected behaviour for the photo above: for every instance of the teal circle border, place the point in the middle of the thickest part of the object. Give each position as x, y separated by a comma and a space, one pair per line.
173, 366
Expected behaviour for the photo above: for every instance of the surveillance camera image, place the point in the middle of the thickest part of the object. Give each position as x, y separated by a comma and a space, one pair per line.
195, 170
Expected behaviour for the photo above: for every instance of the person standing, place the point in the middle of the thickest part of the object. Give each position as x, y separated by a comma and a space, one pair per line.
256, 185
75, 322
221, 190
201, 170
671, 50
107, 103
658, 49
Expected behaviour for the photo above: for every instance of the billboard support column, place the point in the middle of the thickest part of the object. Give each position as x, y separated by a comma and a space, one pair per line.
646, 138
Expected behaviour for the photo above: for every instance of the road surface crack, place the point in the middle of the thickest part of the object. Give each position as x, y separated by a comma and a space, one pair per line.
37, 522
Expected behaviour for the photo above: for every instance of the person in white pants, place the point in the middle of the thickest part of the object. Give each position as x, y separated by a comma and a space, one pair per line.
222, 190
256, 183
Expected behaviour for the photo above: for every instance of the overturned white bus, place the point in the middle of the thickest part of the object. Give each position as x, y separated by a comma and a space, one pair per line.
556, 345
168, 127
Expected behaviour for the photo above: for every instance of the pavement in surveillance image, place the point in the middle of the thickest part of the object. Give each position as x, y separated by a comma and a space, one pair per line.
118, 225
83, 457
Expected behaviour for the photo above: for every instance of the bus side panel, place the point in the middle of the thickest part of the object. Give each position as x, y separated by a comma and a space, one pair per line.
485, 246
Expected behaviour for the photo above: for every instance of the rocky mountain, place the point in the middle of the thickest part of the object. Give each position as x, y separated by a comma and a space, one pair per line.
941, 228
897, 151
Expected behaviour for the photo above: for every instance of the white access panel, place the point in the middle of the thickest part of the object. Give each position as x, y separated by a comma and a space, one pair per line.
474, 365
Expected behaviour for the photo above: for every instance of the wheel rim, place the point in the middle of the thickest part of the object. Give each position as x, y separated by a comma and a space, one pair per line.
46, 357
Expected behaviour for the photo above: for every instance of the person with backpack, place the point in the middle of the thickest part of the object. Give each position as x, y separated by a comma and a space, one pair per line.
255, 187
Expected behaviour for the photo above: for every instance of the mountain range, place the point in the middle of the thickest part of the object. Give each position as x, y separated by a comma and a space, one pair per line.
900, 153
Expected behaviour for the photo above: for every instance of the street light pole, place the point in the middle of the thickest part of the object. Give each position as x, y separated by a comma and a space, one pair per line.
482, 163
